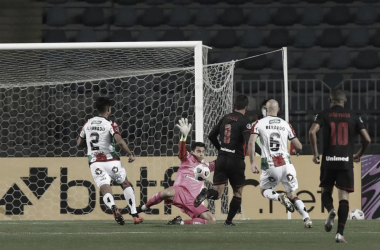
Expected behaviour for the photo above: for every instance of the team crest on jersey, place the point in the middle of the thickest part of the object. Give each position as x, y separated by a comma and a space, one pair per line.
316, 117
274, 121
98, 171
96, 122
249, 126
115, 170
360, 119
290, 177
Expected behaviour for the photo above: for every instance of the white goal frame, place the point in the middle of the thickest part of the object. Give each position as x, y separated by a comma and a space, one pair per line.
198, 63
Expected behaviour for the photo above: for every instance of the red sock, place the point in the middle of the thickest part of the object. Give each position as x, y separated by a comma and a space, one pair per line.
154, 200
195, 221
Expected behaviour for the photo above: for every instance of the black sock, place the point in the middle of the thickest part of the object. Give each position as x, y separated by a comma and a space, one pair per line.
234, 207
342, 215
212, 194
327, 201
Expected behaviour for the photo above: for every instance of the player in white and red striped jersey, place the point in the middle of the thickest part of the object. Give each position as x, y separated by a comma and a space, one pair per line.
99, 135
186, 187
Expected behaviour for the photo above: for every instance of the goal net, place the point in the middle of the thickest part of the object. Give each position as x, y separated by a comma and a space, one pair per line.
47, 93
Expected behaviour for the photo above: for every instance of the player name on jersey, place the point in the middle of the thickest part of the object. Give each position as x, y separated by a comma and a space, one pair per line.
275, 127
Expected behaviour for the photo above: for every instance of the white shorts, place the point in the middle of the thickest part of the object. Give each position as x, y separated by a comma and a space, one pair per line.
270, 178
103, 172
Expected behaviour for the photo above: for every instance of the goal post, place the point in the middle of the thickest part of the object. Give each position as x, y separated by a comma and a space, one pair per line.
46, 95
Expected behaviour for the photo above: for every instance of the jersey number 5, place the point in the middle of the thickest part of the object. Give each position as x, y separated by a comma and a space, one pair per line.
94, 140
342, 133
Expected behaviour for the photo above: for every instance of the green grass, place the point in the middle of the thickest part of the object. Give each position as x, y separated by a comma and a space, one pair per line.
258, 234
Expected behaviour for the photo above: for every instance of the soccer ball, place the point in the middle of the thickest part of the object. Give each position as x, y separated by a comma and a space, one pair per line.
356, 214
201, 172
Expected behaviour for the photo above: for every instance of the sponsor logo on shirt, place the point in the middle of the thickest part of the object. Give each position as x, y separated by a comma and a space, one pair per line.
96, 122
274, 121
335, 158
227, 150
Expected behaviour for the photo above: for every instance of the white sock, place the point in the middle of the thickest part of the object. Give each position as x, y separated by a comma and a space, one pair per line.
130, 198
301, 208
109, 200
271, 195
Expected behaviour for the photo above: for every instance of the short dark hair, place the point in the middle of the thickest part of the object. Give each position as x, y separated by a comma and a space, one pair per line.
337, 95
197, 144
241, 102
102, 103
264, 103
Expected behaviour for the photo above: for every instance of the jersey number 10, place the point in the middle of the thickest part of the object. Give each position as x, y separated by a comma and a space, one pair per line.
342, 133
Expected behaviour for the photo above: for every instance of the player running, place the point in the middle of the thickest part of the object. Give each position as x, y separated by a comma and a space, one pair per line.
340, 127
276, 166
99, 135
186, 187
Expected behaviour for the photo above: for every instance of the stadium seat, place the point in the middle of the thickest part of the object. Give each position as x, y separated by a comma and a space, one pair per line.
226, 38
96, 1
305, 83
312, 16
93, 16
259, 16
228, 56
285, 16
55, 36
174, 35
289, 1
236, 2
367, 59
331, 38
56, 1
125, 17
182, 2
148, 36
155, 2
344, 1
129, 2
263, 1
152, 17
316, 1
208, 1
305, 38
56, 16
86, 35
375, 39
333, 79
361, 75
339, 59
121, 36
200, 35
357, 38
255, 63
232, 17
278, 38
252, 38
338, 15
180, 16
206, 16
310, 60
366, 15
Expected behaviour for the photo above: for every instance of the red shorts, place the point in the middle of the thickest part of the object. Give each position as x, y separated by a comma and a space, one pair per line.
185, 201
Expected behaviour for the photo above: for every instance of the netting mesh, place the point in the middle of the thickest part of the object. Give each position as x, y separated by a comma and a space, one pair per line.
45, 100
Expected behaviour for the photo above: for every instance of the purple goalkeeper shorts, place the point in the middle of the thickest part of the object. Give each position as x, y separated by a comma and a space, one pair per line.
185, 201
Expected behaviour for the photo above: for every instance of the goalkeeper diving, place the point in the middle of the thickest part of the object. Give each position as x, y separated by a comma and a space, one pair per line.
187, 184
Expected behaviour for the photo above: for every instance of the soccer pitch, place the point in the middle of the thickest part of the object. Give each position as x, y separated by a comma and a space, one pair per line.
258, 234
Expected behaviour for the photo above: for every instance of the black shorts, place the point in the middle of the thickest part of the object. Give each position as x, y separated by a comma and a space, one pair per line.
229, 169
342, 179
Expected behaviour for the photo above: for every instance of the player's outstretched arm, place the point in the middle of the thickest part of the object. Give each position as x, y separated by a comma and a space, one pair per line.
184, 128
120, 141
298, 146
313, 141
213, 135
251, 150
366, 140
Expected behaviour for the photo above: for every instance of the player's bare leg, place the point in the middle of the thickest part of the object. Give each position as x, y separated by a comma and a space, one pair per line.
209, 217
327, 202
300, 206
131, 200
343, 210
166, 194
214, 193
282, 198
109, 200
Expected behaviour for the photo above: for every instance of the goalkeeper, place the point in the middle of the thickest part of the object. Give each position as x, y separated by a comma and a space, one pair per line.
186, 186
